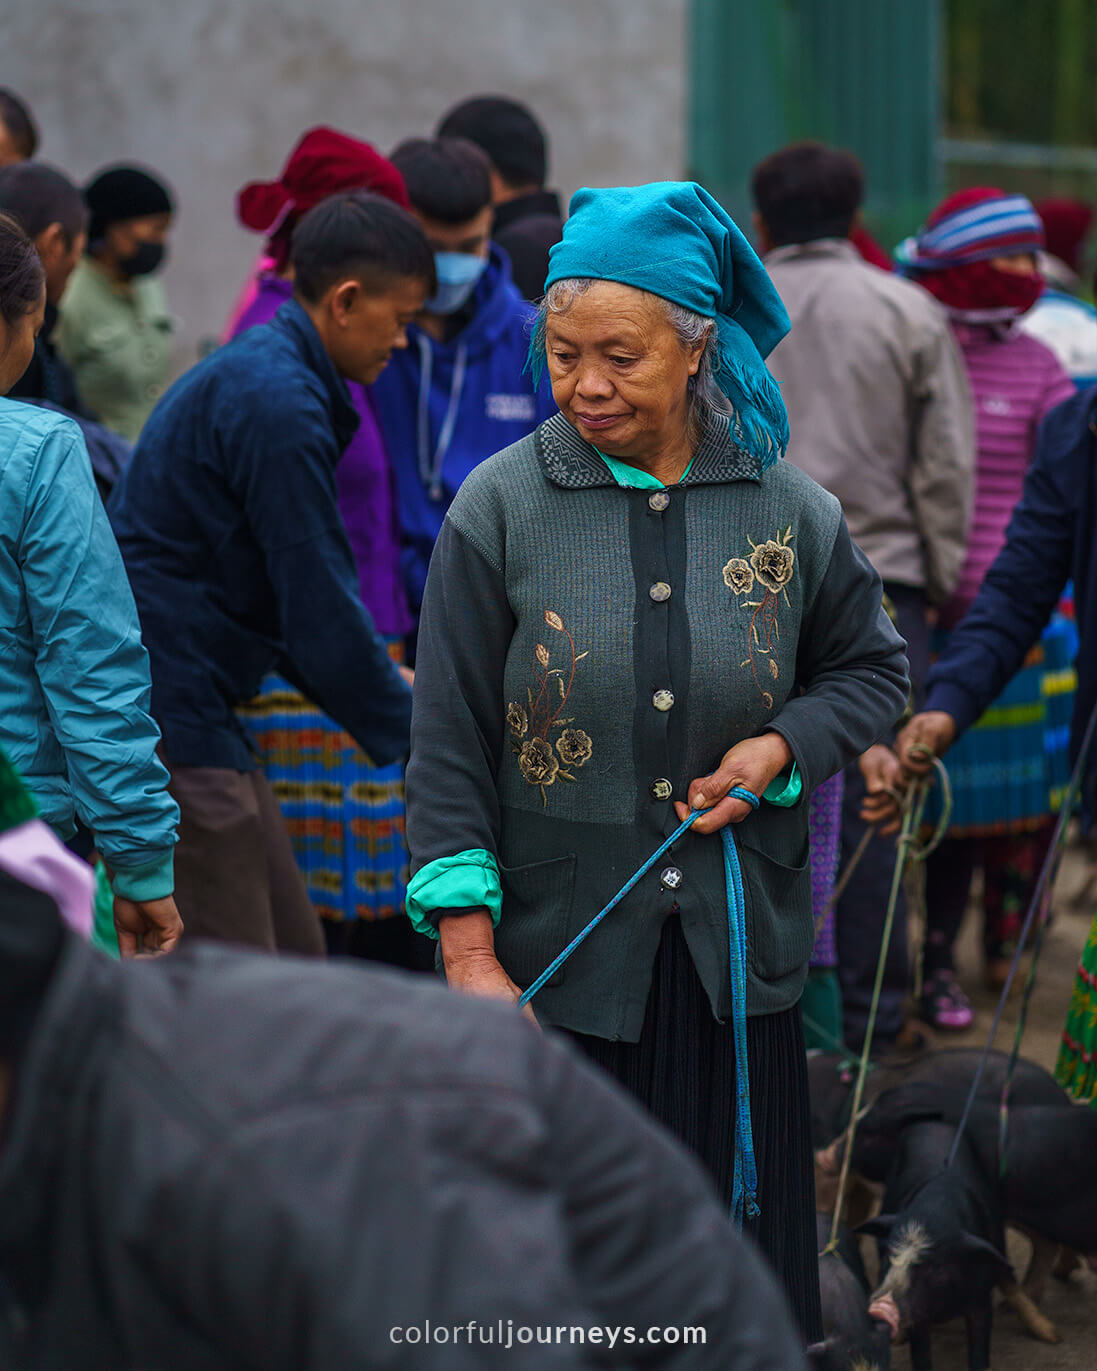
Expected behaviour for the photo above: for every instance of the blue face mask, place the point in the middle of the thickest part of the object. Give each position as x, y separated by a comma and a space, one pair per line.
458, 275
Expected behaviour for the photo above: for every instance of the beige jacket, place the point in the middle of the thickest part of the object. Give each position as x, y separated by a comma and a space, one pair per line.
879, 409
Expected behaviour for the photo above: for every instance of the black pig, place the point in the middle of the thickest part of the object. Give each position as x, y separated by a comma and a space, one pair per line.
851, 1337
943, 1244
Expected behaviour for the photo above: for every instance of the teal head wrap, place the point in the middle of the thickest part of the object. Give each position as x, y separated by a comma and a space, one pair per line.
673, 239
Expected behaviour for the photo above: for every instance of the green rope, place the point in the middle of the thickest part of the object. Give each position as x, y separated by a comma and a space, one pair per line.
907, 848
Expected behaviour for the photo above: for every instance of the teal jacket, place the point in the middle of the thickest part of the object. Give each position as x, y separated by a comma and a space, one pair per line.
74, 677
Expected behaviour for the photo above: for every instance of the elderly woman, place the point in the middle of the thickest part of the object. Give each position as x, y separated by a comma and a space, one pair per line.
628, 613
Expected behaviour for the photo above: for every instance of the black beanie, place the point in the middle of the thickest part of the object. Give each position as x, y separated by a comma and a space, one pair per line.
123, 192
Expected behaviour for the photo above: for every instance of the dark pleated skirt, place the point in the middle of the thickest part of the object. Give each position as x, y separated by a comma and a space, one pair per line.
683, 1071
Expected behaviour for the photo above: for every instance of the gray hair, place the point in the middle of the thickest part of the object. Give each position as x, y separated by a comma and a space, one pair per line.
690, 329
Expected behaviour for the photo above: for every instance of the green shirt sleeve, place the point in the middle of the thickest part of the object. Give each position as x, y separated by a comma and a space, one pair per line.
785, 790
468, 881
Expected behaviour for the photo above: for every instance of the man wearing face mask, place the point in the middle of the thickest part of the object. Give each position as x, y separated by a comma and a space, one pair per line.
461, 391
115, 328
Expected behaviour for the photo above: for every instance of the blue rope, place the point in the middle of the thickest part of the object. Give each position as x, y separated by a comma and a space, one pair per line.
744, 1194
745, 1176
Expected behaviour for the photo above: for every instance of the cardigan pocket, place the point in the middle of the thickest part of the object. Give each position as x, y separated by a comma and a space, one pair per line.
535, 923
780, 935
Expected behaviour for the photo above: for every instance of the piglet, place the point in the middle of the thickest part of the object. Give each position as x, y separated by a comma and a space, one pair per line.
852, 1339
942, 1243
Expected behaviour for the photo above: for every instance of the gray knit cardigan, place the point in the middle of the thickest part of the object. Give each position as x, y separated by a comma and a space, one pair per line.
585, 651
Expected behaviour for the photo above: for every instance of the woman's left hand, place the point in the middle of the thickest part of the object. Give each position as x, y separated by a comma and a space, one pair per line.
752, 764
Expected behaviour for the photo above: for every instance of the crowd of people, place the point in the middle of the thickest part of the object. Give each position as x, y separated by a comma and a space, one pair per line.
492, 551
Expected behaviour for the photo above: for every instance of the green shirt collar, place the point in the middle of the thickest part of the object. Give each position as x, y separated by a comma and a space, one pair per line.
632, 478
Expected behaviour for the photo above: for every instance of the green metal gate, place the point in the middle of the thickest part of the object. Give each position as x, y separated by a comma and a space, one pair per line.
861, 74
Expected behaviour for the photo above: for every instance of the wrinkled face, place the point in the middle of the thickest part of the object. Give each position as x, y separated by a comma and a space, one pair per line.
17, 347
364, 328
618, 371
1016, 263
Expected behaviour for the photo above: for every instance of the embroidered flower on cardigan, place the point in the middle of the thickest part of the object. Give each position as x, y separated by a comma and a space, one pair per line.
537, 763
769, 567
547, 699
772, 563
738, 576
574, 746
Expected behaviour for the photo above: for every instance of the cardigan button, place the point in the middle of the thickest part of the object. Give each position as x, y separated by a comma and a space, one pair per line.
671, 878
658, 501
661, 788
663, 700
660, 592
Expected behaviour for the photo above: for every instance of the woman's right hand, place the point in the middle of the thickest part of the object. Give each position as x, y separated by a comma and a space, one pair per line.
470, 962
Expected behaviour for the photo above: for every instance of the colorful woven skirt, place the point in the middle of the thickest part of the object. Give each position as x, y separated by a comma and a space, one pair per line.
345, 817
1009, 771
1076, 1068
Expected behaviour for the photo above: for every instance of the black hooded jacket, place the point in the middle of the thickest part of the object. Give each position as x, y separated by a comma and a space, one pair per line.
220, 1160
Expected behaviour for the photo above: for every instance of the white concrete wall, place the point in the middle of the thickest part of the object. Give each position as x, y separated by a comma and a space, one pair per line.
213, 93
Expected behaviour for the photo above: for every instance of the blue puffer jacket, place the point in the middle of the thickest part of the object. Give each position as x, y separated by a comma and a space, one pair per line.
74, 677
444, 407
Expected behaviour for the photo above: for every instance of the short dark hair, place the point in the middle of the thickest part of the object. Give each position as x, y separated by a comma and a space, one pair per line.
507, 131
18, 121
22, 279
448, 179
361, 235
37, 195
807, 191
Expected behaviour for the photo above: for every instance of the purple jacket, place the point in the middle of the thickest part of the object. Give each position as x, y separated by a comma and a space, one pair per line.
364, 481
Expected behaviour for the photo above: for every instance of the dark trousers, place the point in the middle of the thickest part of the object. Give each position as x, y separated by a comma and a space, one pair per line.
391, 942
1011, 867
861, 910
236, 879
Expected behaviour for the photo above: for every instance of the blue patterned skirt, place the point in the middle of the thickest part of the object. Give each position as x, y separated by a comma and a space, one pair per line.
1010, 770
345, 817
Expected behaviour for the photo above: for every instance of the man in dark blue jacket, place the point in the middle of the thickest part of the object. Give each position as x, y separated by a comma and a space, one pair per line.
239, 561
1051, 539
461, 391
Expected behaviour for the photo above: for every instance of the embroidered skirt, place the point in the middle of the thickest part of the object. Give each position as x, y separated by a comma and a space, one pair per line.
345, 817
1076, 1068
683, 1071
1010, 770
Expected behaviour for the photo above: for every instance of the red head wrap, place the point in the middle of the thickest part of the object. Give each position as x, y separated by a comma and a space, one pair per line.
323, 162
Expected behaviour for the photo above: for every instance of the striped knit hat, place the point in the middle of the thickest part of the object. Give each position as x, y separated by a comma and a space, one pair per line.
972, 226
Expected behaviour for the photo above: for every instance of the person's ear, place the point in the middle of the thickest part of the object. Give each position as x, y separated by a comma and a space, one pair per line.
51, 245
344, 300
697, 351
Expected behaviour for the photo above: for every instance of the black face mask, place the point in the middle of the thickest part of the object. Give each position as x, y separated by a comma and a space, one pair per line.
147, 258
